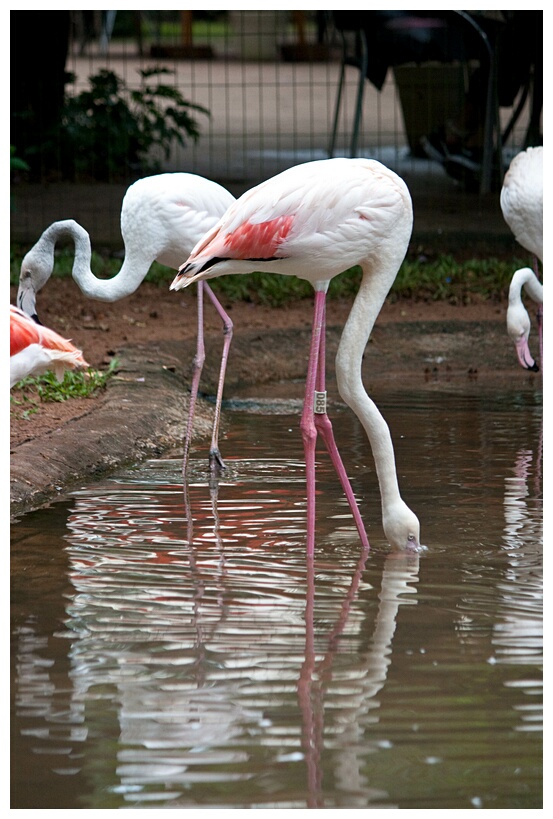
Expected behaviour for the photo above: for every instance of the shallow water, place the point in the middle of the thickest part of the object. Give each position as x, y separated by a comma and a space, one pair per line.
160, 660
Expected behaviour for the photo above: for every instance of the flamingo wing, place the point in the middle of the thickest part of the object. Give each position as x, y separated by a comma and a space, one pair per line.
321, 218
34, 349
521, 199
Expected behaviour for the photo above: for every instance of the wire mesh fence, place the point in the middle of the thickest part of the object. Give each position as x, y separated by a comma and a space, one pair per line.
266, 84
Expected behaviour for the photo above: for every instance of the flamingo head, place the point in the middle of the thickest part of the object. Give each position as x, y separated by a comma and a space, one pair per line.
402, 528
518, 328
36, 269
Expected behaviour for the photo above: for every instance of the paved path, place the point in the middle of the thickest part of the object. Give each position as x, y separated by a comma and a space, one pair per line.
264, 117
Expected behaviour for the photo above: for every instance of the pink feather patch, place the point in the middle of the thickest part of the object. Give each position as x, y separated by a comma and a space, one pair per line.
258, 241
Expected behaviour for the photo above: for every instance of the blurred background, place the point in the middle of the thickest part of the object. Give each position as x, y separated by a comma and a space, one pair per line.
101, 98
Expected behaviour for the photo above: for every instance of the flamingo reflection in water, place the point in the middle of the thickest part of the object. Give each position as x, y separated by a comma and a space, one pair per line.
399, 576
198, 668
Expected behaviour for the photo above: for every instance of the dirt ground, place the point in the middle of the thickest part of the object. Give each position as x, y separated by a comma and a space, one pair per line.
154, 315
152, 335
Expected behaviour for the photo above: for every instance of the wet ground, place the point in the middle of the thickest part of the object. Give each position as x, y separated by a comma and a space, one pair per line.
144, 409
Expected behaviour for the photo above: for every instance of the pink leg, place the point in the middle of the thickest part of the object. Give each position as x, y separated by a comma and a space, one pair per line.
197, 367
539, 313
215, 461
314, 420
539, 316
324, 426
307, 425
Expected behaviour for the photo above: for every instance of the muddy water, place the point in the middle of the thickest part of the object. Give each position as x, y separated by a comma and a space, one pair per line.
171, 659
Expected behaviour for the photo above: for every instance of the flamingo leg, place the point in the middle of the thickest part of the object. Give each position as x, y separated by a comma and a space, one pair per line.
539, 314
324, 427
216, 462
307, 424
197, 367
315, 421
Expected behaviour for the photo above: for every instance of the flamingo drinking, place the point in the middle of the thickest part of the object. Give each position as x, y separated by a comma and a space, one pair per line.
521, 202
162, 218
314, 221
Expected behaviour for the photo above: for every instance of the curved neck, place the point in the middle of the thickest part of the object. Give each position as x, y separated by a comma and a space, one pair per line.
526, 279
374, 288
124, 283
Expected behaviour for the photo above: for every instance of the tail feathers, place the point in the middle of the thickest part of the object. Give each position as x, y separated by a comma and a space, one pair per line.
61, 348
36, 360
34, 349
62, 360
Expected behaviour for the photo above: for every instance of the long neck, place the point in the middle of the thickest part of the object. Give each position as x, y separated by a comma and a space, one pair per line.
122, 284
374, 288
527, 279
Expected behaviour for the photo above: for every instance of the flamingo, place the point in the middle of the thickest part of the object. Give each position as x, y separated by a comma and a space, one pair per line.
521, 202
162, 218
34, 349
314, 221
518, 320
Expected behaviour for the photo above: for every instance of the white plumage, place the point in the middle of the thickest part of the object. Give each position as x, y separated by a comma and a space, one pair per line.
35, 349
314, 221
162, 218
521, 202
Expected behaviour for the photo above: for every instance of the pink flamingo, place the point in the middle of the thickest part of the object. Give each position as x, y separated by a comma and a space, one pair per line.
34, 349
521, 202
314, 221
162, 218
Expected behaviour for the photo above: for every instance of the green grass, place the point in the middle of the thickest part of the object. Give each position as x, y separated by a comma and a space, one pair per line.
429, 279
33, 390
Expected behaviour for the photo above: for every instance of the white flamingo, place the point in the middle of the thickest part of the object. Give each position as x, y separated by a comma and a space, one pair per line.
162, 218
518, 320
521, 202
314, 221
35, 349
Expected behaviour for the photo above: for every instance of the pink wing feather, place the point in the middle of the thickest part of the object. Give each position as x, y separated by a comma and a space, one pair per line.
250, 240
257, 240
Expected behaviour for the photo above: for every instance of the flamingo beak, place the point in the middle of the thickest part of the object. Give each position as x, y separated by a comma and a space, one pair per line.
26, 301
524, 357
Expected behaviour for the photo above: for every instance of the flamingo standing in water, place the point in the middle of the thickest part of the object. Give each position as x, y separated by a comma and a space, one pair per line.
521, 202
314, 221
518, 320
162, 218
35, 349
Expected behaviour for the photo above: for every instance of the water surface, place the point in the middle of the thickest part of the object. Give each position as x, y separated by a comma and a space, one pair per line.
173, 650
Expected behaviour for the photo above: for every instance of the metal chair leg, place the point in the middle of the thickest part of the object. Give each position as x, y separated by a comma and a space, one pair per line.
364, 62
338, 102
362, 67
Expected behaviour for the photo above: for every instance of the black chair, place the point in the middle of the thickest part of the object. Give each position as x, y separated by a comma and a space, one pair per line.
373, 42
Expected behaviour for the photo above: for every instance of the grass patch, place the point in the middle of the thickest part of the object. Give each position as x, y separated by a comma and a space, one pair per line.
34, 390
442, 278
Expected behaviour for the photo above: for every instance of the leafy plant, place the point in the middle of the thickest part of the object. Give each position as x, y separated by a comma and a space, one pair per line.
76, 384
17, 164
110, 130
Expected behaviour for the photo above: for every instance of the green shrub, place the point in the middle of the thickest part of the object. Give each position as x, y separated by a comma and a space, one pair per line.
442, 278
108, 131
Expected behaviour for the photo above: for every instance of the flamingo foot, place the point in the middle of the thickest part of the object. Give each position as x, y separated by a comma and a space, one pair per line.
216, 463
